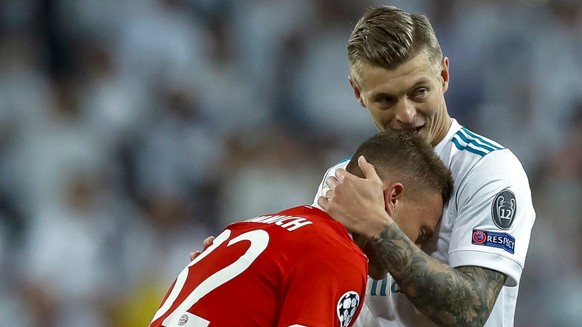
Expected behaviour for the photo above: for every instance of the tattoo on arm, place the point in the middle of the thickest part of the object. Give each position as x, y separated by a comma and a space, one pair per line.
449, 297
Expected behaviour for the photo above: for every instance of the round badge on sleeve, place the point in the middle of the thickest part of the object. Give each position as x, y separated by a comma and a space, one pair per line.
503, 209
346, 307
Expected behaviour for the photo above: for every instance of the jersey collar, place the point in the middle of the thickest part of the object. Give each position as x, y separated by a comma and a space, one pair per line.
455, 127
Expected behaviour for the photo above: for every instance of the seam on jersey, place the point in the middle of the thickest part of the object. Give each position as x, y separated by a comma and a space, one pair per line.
465, 249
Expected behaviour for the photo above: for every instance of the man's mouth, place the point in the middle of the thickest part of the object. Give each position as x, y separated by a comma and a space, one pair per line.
412, 129
416, 130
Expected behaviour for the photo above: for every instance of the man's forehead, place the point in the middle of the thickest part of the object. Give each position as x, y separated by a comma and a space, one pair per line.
377, 80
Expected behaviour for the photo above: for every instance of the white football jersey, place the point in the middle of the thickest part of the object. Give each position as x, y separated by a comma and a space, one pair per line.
486, 223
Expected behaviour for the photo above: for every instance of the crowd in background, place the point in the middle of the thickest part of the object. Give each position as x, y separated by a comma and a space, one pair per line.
131, 130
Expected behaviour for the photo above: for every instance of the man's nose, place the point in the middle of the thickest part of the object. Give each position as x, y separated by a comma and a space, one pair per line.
405, 112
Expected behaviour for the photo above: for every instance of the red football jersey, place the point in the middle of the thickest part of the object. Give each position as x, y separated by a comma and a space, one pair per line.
295, 268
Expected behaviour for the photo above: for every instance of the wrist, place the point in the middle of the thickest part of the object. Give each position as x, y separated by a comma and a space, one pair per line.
376, 226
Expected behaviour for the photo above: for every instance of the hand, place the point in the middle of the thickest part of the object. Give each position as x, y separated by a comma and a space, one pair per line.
206, 243
357, 203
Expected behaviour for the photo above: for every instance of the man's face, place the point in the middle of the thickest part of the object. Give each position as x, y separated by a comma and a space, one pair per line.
418, 218
410, 97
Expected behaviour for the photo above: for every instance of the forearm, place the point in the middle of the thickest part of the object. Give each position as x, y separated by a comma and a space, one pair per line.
449, 297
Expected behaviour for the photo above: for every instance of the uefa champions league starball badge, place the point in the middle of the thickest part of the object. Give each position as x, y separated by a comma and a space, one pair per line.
347, 306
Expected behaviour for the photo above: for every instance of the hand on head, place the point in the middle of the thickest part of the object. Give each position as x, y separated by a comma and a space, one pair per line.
357, 203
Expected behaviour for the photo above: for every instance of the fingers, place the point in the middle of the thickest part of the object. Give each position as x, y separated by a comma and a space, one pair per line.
342, 175
194, 254
331, 182
367, 168
208, 242
326, 193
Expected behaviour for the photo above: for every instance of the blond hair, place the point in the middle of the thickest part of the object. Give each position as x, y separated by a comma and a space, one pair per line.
388, 37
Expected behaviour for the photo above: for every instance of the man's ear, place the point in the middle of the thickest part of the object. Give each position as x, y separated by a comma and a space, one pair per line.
445, 74
357, 92
392, 195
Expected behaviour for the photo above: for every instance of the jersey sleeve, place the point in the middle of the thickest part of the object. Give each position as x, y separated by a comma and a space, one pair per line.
494, 218
325, 290
330, 172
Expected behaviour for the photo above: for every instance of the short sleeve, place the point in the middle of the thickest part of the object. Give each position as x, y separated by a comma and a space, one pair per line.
495, 216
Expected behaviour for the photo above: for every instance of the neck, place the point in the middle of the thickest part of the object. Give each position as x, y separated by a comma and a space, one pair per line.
359, 239
446, 125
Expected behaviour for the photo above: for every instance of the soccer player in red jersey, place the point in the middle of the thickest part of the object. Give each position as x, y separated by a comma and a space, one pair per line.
300, 267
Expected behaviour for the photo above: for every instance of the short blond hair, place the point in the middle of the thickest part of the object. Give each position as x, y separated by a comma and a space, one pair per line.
388, 37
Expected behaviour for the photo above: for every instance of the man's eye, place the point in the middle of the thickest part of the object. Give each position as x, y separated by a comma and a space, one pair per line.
421, 92
385, 101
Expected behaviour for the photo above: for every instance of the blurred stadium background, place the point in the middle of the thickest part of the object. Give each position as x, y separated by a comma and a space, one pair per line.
131, 130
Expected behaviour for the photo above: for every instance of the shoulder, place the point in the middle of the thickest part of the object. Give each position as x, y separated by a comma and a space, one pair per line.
475, 155
473, 144
482, 166
319, 229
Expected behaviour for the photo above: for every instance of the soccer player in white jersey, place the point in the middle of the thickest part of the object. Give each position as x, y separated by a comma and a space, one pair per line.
468, 272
